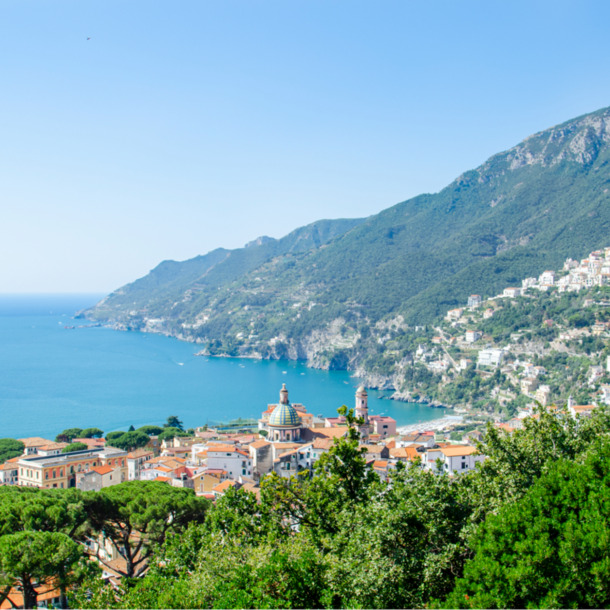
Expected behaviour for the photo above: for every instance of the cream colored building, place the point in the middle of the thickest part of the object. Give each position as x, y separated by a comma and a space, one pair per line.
62, 470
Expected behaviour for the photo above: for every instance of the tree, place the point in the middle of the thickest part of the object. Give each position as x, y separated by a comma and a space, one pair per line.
150, 430
170, 433
228, 573
550, 548
137, 515
74, 447
114, 435
173, 422
131, 429
10, 448
130, 440
403, 546
44, 510
515, 461
31, 559
67, 435
91, 433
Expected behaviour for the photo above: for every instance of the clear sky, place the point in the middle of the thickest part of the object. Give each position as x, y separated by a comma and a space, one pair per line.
133, 131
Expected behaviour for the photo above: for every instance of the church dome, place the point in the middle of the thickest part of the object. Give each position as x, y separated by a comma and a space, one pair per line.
284, 415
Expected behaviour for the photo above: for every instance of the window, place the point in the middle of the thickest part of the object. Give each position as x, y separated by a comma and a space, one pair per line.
54, 476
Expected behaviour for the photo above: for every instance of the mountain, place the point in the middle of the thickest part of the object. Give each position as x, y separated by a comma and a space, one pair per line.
330, 292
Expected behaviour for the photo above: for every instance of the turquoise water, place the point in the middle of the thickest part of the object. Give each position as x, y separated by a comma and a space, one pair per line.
52, 377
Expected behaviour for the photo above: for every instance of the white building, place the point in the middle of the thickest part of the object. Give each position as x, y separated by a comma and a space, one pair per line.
512, 292
460, 458
235, 461
474, 300
490, 357
472, 336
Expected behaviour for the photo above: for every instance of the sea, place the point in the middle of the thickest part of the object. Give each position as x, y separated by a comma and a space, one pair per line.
58, 372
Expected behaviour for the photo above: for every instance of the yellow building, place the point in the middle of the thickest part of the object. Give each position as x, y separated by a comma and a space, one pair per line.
62, 470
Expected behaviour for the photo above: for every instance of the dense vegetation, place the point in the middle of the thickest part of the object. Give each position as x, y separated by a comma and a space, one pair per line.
527, 528
10, 448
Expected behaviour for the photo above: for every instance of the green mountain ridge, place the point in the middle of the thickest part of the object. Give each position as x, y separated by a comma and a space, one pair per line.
327, 292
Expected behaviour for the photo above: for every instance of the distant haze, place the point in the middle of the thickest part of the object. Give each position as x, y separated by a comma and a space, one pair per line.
137, 131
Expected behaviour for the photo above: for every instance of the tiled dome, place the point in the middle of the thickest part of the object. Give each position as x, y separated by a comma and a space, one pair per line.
284, 415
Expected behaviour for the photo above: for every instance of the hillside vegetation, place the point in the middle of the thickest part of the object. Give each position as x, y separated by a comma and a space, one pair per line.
327, 292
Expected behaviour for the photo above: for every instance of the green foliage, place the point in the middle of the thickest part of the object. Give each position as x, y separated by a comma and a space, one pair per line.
74, 447
528, 528
173, 422
130, 440
170, 433
515, 461
38, 558
150, 430
136, 516
111, 436
42, 510
10, 448
549, 549
91, 433
67, 435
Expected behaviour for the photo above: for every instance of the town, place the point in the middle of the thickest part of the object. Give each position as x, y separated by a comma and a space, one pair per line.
518, 345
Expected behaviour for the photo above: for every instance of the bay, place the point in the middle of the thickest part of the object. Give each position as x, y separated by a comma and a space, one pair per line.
57, 372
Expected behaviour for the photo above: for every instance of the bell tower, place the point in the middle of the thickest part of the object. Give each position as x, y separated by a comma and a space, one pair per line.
284, 395
362, 408
362, 412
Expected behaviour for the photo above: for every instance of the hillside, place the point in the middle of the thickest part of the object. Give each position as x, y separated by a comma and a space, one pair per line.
545, 341
327, 292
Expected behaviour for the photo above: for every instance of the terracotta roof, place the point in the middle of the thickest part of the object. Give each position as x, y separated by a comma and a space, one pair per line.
35, 441
323, 443
406, 453
456, 451
102, 469
281, 455
285, 446
259, 444
373, 448
91, 442
216, 474
162, 479
332, 432
222, 487
138, 453
222, 448
381, 464
51, 446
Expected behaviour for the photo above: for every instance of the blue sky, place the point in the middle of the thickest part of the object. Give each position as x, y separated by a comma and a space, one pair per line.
188, 125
